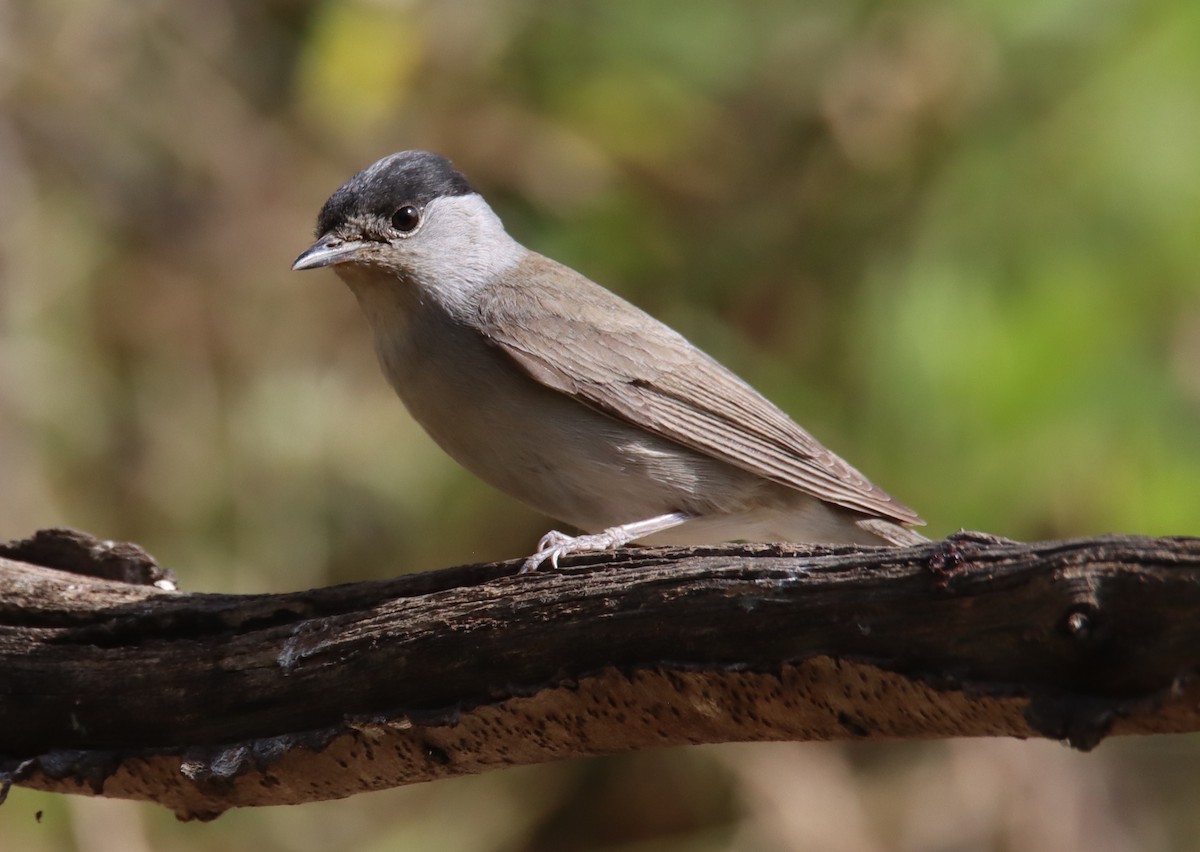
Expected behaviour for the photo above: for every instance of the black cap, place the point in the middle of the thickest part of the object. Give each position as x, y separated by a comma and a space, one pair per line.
409, 177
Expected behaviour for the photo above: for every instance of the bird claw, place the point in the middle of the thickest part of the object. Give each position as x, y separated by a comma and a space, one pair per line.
555, 544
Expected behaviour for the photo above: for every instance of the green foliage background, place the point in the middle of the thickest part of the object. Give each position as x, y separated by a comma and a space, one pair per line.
958, 241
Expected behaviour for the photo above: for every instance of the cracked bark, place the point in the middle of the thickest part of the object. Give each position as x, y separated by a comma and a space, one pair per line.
112, 686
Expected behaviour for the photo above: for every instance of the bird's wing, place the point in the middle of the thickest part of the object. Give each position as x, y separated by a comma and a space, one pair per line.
596, 347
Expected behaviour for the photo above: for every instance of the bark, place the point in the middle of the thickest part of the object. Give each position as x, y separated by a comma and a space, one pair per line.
111, 685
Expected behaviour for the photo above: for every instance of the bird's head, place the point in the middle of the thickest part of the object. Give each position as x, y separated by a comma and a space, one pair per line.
411, 219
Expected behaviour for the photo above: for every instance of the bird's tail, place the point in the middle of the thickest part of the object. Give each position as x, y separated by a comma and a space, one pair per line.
891, 533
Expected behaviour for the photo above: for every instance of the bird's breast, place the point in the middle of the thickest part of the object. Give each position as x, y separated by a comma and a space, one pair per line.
538, 445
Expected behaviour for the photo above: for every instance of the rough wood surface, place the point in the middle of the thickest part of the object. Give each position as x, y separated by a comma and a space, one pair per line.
204, 702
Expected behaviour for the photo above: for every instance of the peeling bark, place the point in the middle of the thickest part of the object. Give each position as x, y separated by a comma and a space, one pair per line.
110, 685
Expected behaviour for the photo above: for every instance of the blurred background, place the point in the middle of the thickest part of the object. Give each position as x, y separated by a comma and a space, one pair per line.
959, 242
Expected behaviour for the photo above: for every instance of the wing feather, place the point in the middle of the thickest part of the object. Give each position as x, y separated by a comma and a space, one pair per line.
651, 377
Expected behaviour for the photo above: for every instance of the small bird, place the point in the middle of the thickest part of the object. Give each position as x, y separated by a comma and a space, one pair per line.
567, 397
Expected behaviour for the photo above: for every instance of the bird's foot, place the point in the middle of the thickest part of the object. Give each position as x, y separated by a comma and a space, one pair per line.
555, 544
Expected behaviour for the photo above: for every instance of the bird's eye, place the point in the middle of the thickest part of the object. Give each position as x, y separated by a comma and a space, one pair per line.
406, 218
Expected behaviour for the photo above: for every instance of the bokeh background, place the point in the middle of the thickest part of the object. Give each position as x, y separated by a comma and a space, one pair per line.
958, 241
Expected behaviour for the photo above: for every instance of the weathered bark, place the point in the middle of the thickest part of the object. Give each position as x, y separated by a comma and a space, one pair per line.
204, 702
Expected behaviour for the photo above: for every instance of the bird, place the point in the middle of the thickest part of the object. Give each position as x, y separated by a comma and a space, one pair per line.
567, 397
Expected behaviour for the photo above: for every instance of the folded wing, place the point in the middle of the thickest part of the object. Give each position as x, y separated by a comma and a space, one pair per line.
650, 376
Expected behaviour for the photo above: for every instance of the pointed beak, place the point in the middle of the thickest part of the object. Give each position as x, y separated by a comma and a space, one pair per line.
329, 251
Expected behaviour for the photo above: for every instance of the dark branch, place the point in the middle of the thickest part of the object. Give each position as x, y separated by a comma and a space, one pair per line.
204, 702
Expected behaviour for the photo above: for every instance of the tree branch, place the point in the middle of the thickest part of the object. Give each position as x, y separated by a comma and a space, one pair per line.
203, 702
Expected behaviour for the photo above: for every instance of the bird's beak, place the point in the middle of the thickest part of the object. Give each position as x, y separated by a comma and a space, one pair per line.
328, 251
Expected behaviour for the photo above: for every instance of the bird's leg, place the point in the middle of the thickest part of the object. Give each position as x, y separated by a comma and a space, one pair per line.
555, 544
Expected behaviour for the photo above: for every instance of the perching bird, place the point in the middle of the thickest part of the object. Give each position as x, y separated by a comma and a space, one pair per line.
567, 397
